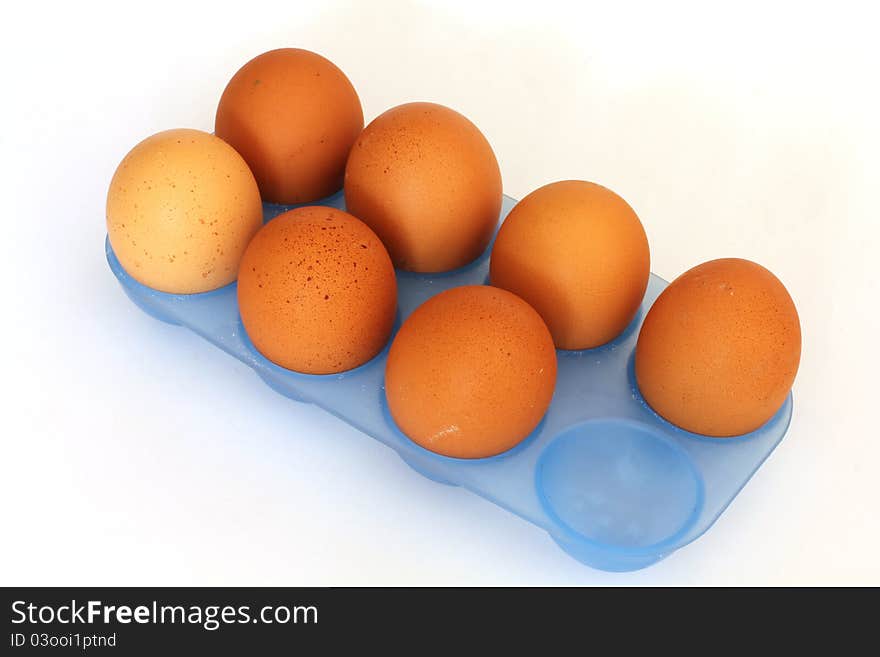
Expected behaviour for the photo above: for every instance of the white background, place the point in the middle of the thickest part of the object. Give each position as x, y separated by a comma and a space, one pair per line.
136, 453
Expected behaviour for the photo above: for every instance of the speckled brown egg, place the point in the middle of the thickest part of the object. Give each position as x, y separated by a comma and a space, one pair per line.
426, 180
719, 349
316, 291
471, 372
293, 115
578, 253
181, 208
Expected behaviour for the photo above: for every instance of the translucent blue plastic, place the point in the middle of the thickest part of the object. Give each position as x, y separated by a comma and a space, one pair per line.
615, 485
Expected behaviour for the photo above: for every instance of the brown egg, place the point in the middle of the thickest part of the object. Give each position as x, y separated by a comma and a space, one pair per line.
579, 255
471, 372
317, 291
426, 180
293, 115
181, 208
719, 349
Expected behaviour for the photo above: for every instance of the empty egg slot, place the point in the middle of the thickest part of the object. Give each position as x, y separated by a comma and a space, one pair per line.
618, 487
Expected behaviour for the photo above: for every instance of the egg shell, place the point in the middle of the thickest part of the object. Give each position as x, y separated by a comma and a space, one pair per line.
293, 115
578, 254
719, 349
426, 180
181, 209
471, 372
317, 292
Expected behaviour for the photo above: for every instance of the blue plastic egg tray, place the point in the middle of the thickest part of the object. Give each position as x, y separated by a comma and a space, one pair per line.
615, 485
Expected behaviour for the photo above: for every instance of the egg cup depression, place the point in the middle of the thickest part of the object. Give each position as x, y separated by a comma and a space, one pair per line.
615, 485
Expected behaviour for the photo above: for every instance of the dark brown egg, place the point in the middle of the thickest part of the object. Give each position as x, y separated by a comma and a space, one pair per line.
317, 291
